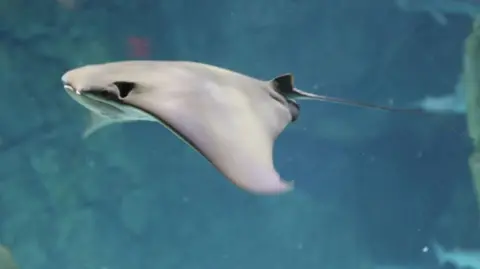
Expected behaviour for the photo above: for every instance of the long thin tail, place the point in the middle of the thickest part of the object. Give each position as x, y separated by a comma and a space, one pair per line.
310, 96
284, 85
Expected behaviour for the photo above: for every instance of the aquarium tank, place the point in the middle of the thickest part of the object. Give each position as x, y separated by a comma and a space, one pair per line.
286, 134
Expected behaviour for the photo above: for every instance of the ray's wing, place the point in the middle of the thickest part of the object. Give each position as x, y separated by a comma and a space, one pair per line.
225, 130
95, 123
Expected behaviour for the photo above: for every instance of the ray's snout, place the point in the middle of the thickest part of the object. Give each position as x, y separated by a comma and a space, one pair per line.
64, 79
68, 86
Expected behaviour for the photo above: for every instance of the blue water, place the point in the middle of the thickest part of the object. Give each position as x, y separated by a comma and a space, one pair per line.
372, 188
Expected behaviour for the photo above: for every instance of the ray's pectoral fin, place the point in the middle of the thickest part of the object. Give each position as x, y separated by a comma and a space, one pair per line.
95, 123
217, 133
284, 85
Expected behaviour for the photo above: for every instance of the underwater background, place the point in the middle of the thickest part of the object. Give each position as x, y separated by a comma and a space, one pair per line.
373, 189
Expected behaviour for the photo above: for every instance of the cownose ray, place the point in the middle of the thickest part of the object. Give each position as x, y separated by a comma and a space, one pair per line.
231, 119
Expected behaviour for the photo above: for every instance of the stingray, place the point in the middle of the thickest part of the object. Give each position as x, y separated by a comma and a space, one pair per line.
230, 118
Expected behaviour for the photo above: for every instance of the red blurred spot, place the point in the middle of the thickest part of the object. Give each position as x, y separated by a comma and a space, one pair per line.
138, 46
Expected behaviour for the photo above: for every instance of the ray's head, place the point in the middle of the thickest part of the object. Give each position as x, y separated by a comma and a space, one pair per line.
97, 80
98, 88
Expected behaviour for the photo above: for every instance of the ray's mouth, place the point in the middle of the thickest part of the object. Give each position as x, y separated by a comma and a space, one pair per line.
69, 87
